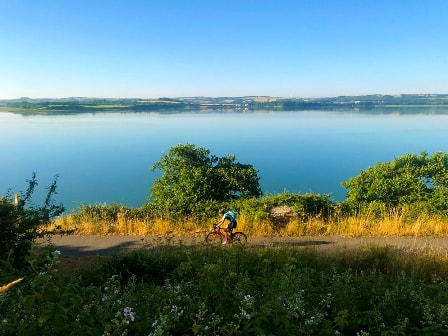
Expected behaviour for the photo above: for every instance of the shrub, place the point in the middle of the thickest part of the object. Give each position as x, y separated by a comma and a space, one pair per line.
19, 223
190, 291
408, 179
192, 175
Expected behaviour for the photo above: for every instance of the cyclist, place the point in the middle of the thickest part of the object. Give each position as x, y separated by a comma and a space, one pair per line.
229, 216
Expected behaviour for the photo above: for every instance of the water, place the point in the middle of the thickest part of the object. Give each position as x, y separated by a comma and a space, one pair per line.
106, 157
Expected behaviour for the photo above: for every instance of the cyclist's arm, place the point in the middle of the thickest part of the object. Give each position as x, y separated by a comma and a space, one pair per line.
221, 221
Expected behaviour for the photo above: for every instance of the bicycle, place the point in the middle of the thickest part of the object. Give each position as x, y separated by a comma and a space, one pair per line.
217, 235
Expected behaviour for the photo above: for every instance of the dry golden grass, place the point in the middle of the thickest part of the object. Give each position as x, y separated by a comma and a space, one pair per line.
354, 226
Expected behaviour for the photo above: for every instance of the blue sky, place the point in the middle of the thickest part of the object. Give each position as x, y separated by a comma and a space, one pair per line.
174, 48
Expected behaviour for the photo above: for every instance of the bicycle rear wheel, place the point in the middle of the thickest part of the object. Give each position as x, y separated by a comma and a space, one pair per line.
213, 238
239, 238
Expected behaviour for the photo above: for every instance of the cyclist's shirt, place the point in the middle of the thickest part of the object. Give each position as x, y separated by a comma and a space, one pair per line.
232, 221
228, 217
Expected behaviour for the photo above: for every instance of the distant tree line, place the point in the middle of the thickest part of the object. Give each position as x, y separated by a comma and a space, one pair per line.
249, 103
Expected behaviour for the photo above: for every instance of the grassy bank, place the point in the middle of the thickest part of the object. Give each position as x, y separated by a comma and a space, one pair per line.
177, 290
360, 225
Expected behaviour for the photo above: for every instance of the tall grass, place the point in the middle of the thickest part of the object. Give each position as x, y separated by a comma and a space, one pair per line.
119, 220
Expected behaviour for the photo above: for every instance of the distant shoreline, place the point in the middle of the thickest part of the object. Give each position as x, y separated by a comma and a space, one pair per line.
377, 108
249, 103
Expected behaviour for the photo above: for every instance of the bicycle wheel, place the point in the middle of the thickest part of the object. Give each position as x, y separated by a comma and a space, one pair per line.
239, 238
213, 238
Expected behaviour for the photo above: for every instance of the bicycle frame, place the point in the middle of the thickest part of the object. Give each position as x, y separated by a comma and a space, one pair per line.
217, 236
218, 232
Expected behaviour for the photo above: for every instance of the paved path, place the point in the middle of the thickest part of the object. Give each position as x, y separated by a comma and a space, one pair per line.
104, 245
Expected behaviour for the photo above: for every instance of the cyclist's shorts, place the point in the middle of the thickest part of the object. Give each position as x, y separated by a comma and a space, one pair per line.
231, 225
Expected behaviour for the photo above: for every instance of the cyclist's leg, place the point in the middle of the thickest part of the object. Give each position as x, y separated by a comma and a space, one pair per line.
230, 228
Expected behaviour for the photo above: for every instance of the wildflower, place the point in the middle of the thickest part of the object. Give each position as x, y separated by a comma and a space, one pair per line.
310, 321
155, 323
57, 252
119, 302
86, 306
129, 312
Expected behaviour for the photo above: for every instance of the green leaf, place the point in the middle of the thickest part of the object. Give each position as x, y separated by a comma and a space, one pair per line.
44, 318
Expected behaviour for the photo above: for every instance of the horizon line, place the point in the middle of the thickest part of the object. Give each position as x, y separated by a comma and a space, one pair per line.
228, 96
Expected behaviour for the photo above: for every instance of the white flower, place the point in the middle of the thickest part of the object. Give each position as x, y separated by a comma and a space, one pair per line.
129, 312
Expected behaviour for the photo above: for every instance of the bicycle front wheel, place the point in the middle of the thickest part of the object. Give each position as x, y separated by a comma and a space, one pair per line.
239, 238
213, 239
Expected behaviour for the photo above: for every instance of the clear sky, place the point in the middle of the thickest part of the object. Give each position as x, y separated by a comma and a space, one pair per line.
150, 49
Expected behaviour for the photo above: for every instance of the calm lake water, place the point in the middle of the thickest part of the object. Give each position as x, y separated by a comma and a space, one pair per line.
106, 157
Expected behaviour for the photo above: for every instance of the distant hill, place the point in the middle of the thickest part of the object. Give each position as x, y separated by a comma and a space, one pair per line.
83, 104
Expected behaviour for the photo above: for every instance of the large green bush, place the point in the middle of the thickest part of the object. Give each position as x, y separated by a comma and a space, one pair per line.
191, 175
410, 179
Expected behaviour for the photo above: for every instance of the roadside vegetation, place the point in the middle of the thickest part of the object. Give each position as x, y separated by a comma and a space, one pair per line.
200, 290
255, 218
180, 290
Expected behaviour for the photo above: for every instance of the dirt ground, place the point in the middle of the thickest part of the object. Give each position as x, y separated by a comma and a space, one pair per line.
104, 245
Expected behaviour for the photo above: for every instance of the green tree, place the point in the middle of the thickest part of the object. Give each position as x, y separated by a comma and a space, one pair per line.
19, 223
408, 179
191, 176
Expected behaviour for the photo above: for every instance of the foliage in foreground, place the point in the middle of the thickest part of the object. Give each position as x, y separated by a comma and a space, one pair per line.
19, 223
175, 290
